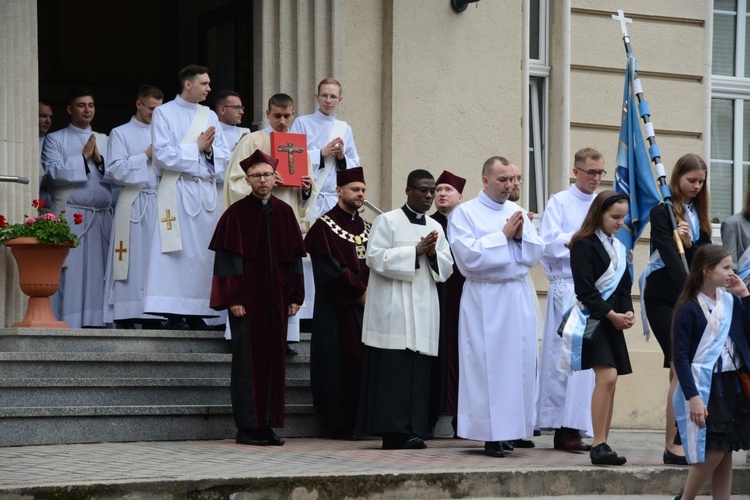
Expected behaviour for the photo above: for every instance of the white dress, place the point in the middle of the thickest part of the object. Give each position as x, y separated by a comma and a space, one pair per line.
80, 300
497, 322
128, 165
180, 282
564, 401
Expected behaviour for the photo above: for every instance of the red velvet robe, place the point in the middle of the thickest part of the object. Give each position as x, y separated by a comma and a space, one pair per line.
258, 264
336, 351
450, 301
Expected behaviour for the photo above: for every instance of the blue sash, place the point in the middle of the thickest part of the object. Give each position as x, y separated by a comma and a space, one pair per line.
571, 347
708, 351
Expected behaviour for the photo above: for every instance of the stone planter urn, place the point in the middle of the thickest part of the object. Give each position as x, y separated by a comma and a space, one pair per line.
39, 269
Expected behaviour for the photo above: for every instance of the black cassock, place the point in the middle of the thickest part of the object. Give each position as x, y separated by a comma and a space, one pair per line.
336, 350
258, 264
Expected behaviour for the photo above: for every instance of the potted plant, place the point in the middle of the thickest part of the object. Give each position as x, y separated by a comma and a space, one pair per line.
39, 245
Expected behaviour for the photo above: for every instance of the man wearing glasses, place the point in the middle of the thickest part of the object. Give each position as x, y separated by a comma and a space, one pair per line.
407, 253
129, 164
229, 109
565, 402
495, 245
258, 278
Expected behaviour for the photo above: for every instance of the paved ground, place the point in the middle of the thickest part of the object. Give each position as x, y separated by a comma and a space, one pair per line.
46, 468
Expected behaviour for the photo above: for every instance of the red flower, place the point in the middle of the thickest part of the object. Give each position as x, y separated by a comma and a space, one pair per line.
77, 218
35, 203
3, 221
42, 204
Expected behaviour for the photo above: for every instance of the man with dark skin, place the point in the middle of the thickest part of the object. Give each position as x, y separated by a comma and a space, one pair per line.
407, 253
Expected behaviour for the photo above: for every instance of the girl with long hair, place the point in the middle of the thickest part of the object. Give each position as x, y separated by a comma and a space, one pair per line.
602, 287
665, 273
710, 337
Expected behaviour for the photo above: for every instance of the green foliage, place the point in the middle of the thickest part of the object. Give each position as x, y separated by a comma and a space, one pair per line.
45, 227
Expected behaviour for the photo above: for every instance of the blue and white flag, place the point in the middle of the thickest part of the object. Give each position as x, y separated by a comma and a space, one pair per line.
633, 176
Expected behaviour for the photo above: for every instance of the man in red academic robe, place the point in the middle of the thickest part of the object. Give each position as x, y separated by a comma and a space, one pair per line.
258, 277
444, 372
337, 243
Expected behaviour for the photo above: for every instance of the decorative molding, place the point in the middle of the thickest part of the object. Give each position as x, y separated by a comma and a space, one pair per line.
700, 23
685, 134
644, 74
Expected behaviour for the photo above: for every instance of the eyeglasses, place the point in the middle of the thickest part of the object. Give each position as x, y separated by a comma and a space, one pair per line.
236, 107
594, 173
424, 190
150, 108
267, 176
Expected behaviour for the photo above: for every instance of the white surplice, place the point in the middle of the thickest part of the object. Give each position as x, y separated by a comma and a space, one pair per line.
497, 323
128, 165
564, 401
80, 299
180, 282
402, 310
317, 127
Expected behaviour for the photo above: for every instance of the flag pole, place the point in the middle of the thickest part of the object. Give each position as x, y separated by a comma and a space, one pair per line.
653, 148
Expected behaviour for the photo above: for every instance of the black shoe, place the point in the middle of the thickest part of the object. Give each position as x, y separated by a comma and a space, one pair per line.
522, 443
403, 442
290, 353
602, 454
507, 446
494, 449
345, 436
176, 323
273, 439
674, 459
197, 323
251, 437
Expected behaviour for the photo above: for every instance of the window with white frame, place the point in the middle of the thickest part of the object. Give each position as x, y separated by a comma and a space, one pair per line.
538, 78
730, 108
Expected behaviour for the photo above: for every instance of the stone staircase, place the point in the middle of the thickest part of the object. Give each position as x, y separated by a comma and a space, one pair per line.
82, 386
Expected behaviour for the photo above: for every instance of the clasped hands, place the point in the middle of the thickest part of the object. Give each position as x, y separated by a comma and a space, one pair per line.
240, 312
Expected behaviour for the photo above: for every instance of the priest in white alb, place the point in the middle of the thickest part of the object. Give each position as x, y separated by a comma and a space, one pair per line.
495, 245
330, 143
73, 159
190, 156
129, 163
564, 403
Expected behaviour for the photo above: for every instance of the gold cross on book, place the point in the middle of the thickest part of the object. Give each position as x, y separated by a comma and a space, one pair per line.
290, 150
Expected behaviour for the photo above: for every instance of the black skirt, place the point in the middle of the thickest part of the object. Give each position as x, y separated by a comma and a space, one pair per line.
607, 348
728, 421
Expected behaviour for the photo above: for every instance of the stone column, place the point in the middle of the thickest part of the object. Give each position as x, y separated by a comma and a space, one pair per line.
19, 155
299, 44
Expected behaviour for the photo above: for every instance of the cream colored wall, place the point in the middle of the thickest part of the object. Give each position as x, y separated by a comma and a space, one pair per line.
451, 88
668, 41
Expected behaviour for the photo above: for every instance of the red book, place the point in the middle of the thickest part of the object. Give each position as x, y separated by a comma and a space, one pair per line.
291, 151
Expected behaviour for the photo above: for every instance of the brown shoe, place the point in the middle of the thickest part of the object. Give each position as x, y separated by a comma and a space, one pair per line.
569, 440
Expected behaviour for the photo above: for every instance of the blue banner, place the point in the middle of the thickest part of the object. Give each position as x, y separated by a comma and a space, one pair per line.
633, 176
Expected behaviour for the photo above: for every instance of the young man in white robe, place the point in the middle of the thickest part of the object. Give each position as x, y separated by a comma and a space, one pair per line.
330, 143
280, 113
407, 254
565, 401
73, 160
229, 109
190, 157
129, 163
495, 245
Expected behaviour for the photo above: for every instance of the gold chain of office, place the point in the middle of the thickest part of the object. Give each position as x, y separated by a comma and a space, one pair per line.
357, 239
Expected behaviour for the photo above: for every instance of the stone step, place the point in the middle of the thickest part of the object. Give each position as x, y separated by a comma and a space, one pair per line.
112, 341
58, 425
19, 393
